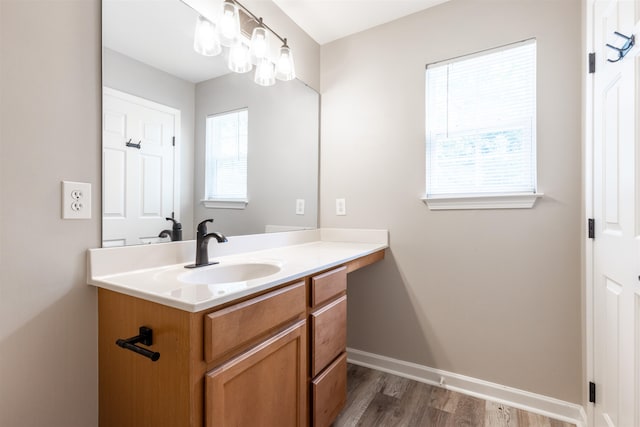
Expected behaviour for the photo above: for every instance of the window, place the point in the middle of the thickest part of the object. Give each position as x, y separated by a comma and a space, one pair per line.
481, 129
226, 160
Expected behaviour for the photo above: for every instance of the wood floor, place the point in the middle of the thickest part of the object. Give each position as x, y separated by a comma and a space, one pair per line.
378, 399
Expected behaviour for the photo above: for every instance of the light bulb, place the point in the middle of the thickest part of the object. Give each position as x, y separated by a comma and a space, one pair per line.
205, 39
229, 24
265, 75
259, 44
239, 58
285, 69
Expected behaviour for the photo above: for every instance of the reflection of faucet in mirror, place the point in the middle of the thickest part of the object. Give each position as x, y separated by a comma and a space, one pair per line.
175, 233
202, 245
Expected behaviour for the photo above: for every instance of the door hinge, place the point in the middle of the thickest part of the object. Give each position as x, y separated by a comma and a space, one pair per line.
592, 63
592, 392
173, 141
592, 228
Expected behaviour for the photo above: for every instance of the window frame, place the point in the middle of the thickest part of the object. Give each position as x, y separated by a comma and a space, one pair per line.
222, 202
482, 200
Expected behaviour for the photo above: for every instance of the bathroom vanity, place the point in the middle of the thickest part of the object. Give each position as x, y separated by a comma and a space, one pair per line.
266, 351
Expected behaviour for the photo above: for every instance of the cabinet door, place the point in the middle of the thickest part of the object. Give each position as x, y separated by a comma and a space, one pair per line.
265, 386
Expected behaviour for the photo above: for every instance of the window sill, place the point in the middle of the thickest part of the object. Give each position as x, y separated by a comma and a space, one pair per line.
225, 203
501, 201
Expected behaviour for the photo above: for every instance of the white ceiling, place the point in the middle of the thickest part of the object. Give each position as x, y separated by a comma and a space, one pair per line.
329, 20
158, 33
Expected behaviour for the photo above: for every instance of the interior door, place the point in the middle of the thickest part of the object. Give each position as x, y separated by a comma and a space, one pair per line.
139, 161
616, 258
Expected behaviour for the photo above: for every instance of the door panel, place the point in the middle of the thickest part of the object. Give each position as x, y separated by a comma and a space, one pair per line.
611, 392
151, 189
113, 203
610, 154
139, 187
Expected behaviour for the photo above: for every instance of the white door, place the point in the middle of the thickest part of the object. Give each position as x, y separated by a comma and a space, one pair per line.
616, 256
139, 188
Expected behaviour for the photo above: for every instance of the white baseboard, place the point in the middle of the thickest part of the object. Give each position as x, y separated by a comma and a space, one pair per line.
521, 399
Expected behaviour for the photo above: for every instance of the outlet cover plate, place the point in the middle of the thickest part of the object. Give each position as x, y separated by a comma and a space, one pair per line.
76, 200
341, 207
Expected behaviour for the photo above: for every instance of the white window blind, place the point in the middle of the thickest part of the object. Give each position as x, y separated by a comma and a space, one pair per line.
226, 156
481, 123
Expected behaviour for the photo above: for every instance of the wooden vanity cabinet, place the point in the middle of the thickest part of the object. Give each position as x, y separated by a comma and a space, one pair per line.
216, 367
327, 318
272, 359
328, 360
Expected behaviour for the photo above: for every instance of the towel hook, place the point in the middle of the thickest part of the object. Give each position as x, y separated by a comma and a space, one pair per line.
622, 51
131, 144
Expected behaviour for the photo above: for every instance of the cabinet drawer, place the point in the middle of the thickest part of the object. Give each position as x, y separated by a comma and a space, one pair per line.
328, 334
236, 327
327, 285
330, 392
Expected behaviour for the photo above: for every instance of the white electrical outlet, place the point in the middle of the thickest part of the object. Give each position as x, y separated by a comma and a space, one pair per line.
76, 200
299, 206
341, 207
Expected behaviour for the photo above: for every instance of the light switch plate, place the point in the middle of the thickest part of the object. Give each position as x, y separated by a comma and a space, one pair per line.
76, 200
299, 206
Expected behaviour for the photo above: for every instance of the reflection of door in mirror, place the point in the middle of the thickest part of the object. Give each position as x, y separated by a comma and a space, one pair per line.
139, 161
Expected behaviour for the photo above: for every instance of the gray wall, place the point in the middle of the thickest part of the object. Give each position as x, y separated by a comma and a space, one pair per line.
49, 132
128, 75
282, 157
490, 294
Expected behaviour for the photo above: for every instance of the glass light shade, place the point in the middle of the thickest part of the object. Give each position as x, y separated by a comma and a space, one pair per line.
265, 73
205, 39
259, 44
229, 24
240, 58
285, 69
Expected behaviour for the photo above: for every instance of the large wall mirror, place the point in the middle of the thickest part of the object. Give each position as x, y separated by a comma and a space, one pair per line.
158, 95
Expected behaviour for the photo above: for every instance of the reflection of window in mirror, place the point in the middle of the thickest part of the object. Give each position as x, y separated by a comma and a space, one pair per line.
226, 159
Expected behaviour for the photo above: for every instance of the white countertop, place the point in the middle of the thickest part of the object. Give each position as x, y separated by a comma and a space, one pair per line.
297, 254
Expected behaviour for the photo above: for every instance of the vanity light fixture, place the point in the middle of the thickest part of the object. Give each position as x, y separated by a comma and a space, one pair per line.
240, 57
243, 53
229, 24
259, 43
205, 40
265, 73
285, 70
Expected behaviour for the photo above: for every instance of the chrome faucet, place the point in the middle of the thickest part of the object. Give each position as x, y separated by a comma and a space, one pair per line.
202, 245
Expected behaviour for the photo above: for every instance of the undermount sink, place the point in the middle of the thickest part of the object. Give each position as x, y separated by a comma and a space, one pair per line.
227, 273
